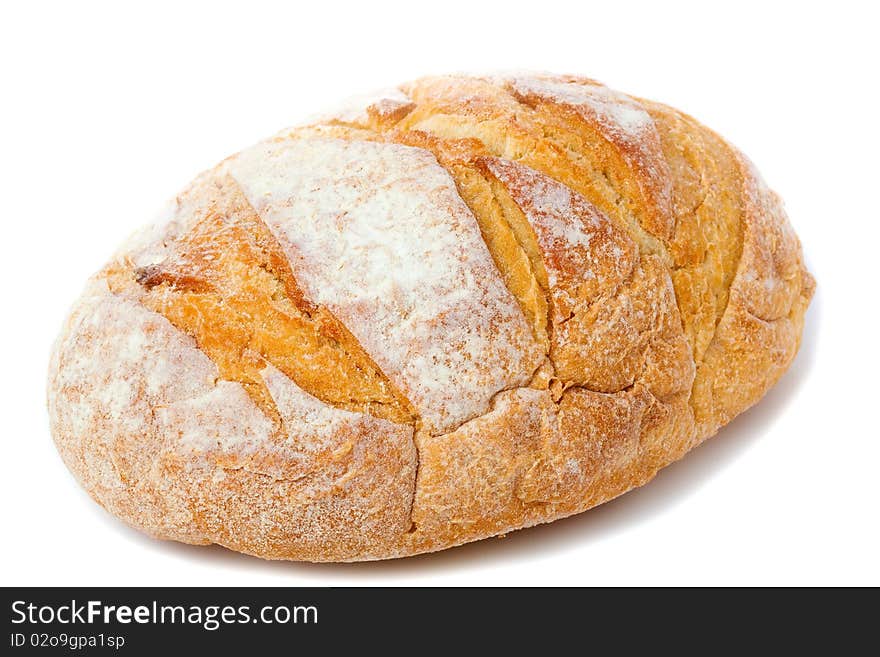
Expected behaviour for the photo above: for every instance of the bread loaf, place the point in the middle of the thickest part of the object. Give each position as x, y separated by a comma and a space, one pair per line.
454, 309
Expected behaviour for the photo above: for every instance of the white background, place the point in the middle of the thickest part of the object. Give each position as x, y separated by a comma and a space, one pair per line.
108, 110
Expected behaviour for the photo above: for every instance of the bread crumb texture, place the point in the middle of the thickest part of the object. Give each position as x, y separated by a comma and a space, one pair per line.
439, 313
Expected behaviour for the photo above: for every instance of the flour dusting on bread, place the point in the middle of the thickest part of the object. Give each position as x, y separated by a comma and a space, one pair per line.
625, 123
378, 233
583, 252
619, 114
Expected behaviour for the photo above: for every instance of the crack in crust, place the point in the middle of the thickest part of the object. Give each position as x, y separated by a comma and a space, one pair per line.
658, 275
225, 281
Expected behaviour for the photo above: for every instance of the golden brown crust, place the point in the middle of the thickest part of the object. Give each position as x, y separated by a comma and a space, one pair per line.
760, 329
202, 393
146, 424
226, 282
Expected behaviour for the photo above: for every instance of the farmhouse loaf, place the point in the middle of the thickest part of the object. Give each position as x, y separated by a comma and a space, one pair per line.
457, 308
